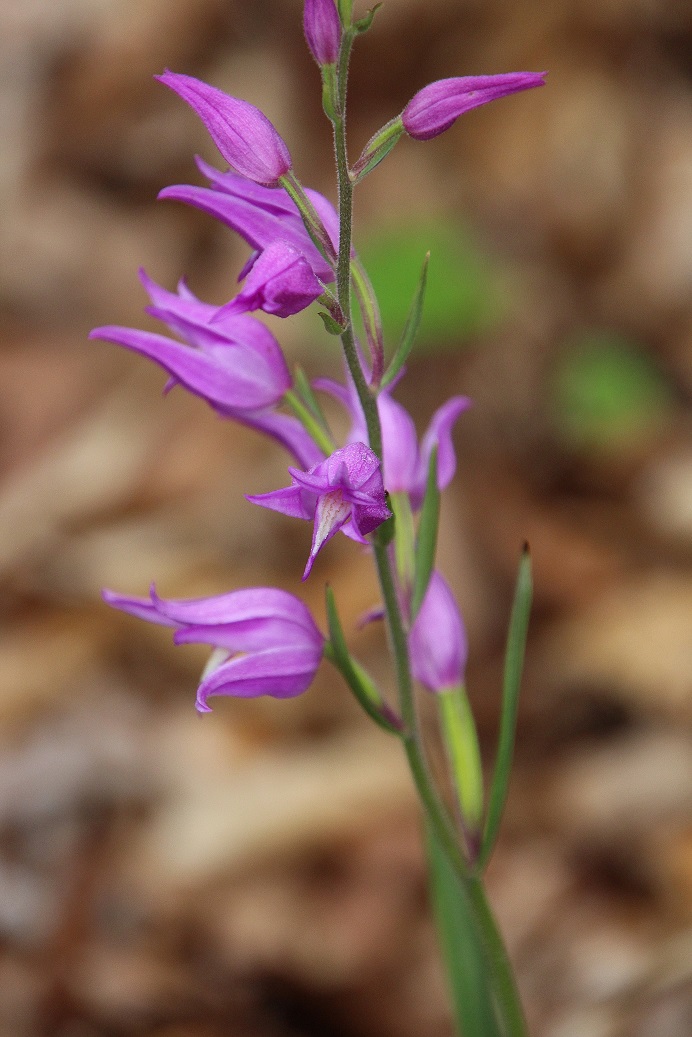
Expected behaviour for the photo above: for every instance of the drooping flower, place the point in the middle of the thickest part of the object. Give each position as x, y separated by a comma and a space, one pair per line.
437, 641
281, 282
405, 462
242, 133
343, 492
265, 640
434, 108
236, 364
261, 215
322, 27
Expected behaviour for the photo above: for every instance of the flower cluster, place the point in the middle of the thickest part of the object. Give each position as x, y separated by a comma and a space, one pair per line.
264, 640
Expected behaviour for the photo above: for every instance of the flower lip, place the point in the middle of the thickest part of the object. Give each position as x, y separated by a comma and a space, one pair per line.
345, 491
434, 108
242, 133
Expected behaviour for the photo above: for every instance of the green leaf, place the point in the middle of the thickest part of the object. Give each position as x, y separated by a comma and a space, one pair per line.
332, 326
304, 390
462, 952
411, 327
426, 544
364, 23
360, 683
514, 663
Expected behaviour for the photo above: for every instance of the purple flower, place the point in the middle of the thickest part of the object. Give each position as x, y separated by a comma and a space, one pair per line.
242, 133
437, 641
343, 492
434, 108
405, 463
236, 364
265, 641
281, 282
322, 27
260, 215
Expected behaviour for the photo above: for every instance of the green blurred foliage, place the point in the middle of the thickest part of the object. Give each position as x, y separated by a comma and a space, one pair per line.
463, 295
607, 393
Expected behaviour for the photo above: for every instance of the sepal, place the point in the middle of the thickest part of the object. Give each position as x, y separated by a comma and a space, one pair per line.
377, 148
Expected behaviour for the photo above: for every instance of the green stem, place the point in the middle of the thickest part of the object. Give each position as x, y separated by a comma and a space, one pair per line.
411, 738
343, 267
500, 972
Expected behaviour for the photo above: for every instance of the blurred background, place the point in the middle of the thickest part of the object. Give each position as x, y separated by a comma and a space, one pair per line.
259, 872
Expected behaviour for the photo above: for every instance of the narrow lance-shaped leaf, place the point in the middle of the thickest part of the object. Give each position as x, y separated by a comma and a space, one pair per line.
426, 544
364, 23
465, 963
514, 663
304, 390
411, 328
353, 673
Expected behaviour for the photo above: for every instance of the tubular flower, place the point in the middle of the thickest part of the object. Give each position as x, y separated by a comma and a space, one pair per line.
235, 364
242, 133
281, 282
322, 27
259, 214
265, 640
343, 492
405, 462
434, 108
437, 641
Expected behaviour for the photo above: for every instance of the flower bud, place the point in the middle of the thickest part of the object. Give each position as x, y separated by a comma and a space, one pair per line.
242, 133
322, 27
281, 282
434, 108
437, 641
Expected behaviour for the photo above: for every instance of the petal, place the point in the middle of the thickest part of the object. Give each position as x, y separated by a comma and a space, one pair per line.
142, 608
437, 641
439, 432
400, 444
259, 214
239, 606
291, 501
227, 380
242, 133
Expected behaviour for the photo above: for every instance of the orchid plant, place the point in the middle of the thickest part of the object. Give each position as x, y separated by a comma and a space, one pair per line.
381, 487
